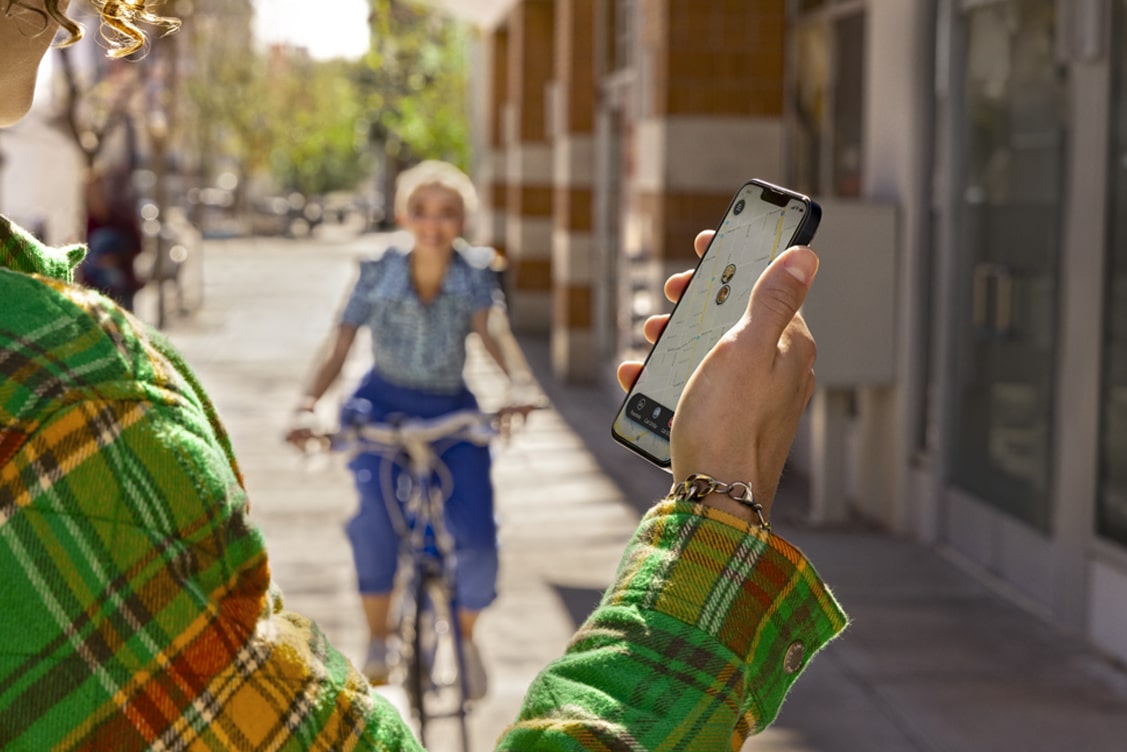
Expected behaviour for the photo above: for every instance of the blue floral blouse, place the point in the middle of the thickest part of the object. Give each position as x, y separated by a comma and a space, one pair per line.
416, 344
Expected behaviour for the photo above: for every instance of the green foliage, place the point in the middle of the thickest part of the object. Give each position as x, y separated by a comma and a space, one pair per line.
417, 81
224, 87
313, 125
279, 114
317, 147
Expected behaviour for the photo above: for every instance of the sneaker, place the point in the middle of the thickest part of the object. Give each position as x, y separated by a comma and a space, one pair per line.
477, 682
377, 665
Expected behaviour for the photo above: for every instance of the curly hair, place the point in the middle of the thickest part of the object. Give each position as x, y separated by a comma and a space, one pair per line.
120, 27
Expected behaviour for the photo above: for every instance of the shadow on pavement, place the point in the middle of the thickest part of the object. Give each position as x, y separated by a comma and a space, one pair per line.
579, 602
588, 409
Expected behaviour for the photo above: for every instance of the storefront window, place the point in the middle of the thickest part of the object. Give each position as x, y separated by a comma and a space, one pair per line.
828, 101
849, 56
1112, 502
810, 99
1009, 229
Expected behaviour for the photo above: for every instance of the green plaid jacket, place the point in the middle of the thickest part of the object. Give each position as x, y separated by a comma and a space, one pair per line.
136, 604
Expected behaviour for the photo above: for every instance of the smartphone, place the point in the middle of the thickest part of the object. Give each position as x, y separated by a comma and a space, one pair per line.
762, 221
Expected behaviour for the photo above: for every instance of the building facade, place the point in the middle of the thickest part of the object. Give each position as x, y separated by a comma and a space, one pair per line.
971, 310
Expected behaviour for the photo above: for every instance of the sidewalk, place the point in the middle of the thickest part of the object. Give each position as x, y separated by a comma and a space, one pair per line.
933, 662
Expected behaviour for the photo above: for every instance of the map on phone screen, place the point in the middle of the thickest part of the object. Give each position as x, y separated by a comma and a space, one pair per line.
751, 235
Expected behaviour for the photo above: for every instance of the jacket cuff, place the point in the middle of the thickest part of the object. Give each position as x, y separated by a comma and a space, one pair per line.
749, 589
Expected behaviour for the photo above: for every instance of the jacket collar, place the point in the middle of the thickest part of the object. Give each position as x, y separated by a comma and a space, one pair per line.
20, 251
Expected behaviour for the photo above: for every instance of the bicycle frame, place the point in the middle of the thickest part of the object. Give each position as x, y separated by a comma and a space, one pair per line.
426, 572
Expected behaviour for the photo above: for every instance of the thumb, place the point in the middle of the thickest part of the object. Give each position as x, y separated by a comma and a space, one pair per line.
779, 293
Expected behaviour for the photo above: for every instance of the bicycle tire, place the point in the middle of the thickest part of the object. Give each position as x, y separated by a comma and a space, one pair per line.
435, 678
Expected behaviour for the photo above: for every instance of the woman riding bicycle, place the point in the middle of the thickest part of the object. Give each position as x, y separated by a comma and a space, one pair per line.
420, 304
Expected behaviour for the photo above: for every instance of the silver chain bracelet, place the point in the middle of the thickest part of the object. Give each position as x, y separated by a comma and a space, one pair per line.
698, 485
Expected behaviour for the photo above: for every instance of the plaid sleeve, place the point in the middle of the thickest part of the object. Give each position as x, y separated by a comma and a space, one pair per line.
136, 607
708, 624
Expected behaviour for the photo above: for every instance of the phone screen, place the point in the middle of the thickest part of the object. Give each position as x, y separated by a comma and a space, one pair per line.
761, 222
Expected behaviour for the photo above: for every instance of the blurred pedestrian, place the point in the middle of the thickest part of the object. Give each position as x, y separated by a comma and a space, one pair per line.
113, 238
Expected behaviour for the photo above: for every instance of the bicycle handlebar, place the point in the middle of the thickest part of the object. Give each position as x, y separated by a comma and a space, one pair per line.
417, 436
470, 425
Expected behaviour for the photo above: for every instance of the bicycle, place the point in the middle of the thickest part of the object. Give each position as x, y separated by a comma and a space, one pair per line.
431, 657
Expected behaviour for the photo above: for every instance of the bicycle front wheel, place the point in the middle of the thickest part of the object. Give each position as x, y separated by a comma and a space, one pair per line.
436, 676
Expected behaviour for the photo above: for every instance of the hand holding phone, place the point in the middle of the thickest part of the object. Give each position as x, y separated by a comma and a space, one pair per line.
740, 411
762, 220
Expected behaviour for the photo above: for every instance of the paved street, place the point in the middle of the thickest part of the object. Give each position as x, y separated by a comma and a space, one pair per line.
934, 661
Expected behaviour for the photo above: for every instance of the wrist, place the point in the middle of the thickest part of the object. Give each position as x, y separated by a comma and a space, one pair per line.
307, 405
736, 498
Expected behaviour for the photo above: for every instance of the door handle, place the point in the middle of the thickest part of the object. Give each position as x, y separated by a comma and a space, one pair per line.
993, 296
980, 310
1004, 318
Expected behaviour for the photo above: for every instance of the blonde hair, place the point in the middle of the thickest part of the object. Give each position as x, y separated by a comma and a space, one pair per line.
120, 21
434, 173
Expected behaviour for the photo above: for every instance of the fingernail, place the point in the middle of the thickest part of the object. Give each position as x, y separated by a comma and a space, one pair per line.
801, 265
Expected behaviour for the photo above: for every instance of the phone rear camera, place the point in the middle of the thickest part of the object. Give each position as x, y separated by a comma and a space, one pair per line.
739, 207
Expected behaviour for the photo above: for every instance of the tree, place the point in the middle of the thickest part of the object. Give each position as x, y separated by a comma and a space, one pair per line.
319, 139
224, 86
91, 112
278, 114
416, 83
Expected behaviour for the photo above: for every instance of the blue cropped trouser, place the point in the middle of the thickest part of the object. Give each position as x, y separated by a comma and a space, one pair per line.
469, 511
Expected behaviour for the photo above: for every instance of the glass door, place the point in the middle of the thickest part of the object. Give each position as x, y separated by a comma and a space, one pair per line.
1014, 354
828, 99
1032, 427
1012, 160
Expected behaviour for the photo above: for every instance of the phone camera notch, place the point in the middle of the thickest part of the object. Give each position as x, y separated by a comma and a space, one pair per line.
774, 197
